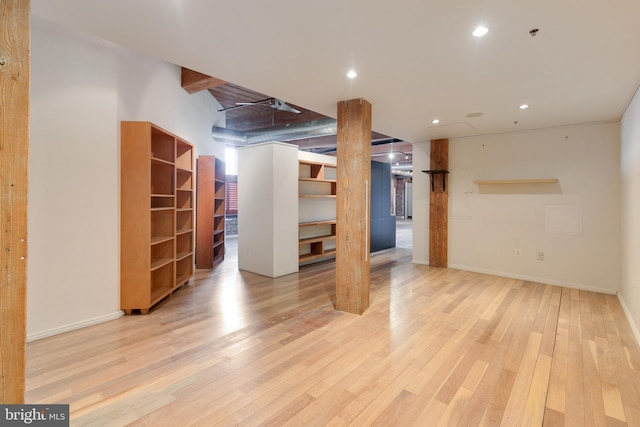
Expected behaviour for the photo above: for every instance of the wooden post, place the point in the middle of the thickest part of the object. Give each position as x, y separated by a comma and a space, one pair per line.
14, 154
352, 207
439, 205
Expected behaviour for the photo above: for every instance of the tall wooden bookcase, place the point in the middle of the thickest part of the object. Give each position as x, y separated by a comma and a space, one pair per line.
156, 215
210, 212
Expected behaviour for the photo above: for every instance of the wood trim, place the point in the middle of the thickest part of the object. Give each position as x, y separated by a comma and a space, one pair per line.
439, 205
14, 155
193, 81
353, 195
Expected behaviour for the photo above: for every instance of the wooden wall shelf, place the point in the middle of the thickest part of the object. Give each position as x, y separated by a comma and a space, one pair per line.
517, 181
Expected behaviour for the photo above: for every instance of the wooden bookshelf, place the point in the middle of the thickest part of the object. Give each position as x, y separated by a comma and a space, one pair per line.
210, 228
156, 215
316, 239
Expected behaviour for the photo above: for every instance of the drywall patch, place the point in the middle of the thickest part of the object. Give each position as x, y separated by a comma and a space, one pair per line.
459, 193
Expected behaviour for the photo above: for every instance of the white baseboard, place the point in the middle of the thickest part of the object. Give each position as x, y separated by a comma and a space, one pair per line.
74, 326
536, 279
419, 261
629, 318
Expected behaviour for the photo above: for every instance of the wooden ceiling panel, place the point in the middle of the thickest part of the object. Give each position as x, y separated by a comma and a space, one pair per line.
262, 116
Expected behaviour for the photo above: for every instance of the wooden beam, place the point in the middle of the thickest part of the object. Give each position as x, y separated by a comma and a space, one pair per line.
353, 205
14, 154
439, 205
193, 81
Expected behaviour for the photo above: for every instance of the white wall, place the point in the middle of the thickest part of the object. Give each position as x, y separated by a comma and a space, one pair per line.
630, 213
488, 223
73, 182
421, 188
149, 90
81, 87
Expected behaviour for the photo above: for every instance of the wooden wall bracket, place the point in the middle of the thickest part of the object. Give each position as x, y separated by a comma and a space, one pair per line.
442, 172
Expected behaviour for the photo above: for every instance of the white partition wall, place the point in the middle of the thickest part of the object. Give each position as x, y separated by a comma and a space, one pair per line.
268, 209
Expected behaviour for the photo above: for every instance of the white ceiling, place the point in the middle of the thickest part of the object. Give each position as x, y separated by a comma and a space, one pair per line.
416, 59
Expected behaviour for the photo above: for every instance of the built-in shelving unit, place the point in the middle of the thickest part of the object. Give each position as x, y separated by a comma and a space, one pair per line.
156, 215
211, 212
320, 237
317, 221
516, 181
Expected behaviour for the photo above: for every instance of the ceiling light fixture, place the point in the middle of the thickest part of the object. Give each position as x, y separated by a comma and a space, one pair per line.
391, 155
480, 31
523, 106
435, 121
352, 74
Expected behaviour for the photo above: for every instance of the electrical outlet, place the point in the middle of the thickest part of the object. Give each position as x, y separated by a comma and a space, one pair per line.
517, 252
540, 256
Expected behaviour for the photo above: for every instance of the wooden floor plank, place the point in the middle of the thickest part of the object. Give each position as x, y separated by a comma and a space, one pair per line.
557, 393
437, 346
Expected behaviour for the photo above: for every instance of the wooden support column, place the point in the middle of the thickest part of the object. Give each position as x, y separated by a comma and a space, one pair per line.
353, 195
14, 154
439, 204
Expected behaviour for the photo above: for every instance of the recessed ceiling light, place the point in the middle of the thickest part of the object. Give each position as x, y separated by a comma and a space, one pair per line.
435, 121
480, 31
524, 106
391, 155
352, 74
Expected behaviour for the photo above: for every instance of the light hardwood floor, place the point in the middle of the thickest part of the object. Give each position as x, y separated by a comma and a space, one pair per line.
436, 347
